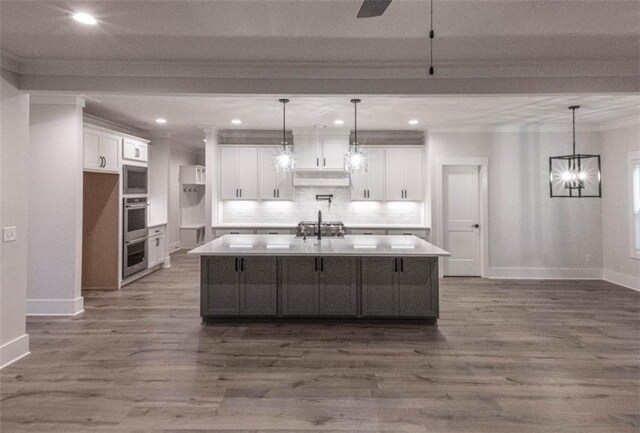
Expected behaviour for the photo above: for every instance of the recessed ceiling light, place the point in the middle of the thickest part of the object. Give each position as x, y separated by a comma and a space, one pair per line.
84, 18
236, 121
161, 120
413, 122
339, 122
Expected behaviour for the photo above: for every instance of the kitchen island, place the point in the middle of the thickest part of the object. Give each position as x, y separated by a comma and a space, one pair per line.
283, 277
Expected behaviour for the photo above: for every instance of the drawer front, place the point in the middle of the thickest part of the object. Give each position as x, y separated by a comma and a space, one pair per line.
222, 232
275, 231
376, 232
419, 233
157, 230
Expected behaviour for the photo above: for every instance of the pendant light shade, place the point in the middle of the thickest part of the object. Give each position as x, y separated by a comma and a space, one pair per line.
283, 157
576, 175
355, 160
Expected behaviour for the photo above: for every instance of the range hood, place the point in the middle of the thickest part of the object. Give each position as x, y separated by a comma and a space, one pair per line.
321, 178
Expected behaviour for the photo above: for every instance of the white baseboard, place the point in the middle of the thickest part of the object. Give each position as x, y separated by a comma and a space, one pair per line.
174, 247
621, 279
167, 262
546, 273
55, 307
13, 350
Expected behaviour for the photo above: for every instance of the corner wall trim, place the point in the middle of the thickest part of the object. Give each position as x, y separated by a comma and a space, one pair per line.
546, 273
14, 350
55, 307
625, 280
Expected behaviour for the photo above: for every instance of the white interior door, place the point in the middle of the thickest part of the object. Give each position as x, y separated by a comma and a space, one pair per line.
461, 210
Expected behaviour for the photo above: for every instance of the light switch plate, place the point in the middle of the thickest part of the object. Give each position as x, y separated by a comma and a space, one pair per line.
9, 234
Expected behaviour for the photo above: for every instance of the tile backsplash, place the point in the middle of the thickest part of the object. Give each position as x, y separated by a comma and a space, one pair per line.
305, 207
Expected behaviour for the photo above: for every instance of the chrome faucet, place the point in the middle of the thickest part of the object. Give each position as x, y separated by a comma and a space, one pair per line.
319, 225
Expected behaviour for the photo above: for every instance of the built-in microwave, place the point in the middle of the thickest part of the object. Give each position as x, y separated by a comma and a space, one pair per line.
134, 179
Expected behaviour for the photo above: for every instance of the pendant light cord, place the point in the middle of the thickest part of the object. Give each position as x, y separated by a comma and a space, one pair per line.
574, 129
355, 123
432, 35
284, 111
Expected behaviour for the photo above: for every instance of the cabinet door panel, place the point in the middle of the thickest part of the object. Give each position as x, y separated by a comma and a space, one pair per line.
109, 150
247, 173
333, 151
228, 182
299, 286
415, 286
222, 287
337, 294
358, 186
394, 183
413, 174
375, 174
307, 152
91, 143
284, 186
379, 290
258, 292
268, 174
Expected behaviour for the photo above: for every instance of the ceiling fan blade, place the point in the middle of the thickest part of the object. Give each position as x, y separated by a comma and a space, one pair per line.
373, 8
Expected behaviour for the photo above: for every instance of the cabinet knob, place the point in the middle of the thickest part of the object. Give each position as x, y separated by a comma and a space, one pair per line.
476, 226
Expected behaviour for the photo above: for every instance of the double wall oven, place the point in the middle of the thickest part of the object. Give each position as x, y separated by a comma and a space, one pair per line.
135, 233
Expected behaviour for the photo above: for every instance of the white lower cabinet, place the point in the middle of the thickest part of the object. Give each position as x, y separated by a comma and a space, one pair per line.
156, 246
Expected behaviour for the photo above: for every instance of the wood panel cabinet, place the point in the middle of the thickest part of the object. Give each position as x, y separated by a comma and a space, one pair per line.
399, 287
403, 174
101, 151
274, 184
239, 173
239, 286
370, 184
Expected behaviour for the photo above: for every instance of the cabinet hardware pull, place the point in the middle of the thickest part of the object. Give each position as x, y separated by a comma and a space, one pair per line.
364, 193
401, 265
316, 264
395, 261
236, 192
274, 192
157, 242
278, 191
322, 264
368, 193
324, 162
236, 264
242, 264
317, 162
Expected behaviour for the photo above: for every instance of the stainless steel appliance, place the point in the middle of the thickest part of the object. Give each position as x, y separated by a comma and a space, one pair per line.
327, 228
135, 232
135, 218
134, 179
134, 256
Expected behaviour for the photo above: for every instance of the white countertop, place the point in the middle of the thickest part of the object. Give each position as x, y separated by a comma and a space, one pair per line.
289, 245
294, 225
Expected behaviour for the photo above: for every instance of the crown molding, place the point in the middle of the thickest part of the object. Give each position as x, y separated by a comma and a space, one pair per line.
620, 123
43, 99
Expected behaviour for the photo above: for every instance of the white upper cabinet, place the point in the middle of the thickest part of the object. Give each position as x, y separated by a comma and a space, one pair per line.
314, 152
134, 150
192, 175
239, 173
274, 184
101, 150
403, 174
370, 185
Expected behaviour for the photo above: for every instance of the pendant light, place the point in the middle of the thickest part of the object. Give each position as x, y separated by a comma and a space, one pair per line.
355, 160
283, 157
576, 175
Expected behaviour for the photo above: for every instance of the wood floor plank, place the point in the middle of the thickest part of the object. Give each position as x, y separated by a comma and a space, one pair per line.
506, 356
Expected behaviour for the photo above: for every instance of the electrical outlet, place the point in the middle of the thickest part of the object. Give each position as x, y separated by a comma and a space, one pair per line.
9, 234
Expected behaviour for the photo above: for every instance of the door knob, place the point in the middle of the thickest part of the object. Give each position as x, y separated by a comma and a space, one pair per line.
476, 226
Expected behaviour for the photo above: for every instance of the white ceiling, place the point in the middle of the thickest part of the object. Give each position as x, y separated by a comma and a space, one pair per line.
186, 115
323, 30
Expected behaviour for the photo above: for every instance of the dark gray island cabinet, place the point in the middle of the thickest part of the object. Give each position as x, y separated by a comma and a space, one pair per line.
273, 277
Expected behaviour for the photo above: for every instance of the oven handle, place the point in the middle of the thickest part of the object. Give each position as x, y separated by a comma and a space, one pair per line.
135, 241
134, 206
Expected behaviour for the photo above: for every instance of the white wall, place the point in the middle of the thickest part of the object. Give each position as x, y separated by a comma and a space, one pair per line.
159, 156
530, 234
55, 206
619, 267
177, 157
14, 148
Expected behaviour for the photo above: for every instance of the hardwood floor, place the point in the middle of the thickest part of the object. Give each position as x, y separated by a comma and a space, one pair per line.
506, 356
